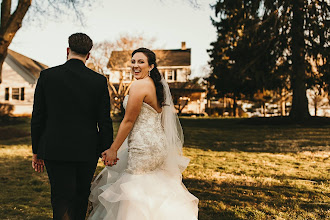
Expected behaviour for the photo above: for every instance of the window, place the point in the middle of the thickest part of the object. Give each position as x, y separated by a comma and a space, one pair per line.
127, 76
170, 74
22, 94
15, 93
6, 94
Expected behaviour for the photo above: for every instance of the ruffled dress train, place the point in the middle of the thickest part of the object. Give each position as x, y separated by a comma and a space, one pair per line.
137, 188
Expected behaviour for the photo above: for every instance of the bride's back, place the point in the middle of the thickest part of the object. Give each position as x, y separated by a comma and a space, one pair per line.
151, 96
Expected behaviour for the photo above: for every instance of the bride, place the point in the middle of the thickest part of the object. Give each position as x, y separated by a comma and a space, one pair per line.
143, 177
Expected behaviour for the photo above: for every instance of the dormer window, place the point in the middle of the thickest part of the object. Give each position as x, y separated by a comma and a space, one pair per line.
172, 75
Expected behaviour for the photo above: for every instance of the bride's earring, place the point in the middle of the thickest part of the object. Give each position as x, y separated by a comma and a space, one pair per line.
149, 73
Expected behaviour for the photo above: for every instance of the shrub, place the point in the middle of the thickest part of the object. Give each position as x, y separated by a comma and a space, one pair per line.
6, 110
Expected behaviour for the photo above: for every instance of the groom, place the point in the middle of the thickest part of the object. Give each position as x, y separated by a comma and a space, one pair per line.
70, 128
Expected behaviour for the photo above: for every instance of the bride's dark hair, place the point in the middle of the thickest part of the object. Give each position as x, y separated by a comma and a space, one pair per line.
154, 73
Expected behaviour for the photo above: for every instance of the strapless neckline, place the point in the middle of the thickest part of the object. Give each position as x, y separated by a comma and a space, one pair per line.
148, 106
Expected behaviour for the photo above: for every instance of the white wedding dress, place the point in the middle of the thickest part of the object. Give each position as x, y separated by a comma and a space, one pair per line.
139, 187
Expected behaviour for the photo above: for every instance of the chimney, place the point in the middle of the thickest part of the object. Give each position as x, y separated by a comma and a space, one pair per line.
183, 45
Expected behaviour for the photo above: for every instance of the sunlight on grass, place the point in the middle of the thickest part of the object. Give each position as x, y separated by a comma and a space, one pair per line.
237, 171
17, 150
250, 185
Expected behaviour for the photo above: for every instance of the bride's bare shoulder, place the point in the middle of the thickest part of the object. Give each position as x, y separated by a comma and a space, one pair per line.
142, 85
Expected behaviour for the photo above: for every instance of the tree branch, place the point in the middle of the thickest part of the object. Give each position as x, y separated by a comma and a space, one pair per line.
15, 21
128, 87
113, 88
79, 17
5, 12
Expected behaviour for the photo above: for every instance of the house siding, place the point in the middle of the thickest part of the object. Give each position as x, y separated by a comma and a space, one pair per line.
182, 74
11, 79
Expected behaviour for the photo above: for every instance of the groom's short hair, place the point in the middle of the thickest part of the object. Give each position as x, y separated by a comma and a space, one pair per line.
80, 43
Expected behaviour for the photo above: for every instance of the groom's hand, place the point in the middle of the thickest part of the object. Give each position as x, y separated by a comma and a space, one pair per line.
37, 164
109, 157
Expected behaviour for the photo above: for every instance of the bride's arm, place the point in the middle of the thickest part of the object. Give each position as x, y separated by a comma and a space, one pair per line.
137, 93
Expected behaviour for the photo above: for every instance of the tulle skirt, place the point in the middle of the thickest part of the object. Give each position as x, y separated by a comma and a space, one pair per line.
116, 194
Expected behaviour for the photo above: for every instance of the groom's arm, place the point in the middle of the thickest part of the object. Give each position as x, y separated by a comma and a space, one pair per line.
38, 115
104, 119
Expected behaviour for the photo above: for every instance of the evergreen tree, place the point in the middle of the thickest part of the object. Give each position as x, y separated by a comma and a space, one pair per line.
264, 44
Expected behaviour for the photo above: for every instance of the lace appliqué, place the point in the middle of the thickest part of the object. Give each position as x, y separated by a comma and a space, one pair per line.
146, 142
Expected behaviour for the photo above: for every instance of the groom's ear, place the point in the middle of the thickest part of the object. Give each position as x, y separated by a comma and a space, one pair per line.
88, 56
67, 51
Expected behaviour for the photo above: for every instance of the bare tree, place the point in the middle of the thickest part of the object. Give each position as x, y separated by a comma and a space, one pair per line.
12, 17
100, 56
193, 3
100, 62
127, 42
319, 98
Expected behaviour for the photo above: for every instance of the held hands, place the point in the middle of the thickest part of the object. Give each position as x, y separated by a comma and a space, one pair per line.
109, 157
37, 164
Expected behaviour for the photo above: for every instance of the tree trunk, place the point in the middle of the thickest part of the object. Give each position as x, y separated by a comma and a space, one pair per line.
181, 107
235, 107
282, 103
315, 107
3, 54
9, 25
208, 95
282, 107
264, 108
299, 110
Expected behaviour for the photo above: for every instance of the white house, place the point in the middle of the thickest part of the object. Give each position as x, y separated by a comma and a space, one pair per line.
175, 66
19, 78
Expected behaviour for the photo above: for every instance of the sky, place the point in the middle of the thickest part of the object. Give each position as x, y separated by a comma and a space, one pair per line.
168, 21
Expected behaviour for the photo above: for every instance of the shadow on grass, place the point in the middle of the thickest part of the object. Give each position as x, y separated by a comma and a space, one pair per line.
8, 133
232, 200
6, 120
25, 194
233, 135
16, 131
16, 141
313, 121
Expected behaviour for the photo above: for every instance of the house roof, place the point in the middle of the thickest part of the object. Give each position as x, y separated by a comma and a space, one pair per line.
28, 65
180, 87
186, 86
177, 57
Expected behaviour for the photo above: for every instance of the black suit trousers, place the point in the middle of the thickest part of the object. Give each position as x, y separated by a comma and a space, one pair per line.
70, 187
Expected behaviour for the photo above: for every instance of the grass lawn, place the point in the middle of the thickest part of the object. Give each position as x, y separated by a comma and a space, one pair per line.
238, 171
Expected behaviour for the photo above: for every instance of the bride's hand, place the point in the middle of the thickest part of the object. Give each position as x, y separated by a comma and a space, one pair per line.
109, 157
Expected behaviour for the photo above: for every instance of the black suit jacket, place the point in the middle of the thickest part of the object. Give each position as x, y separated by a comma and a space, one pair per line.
71, 113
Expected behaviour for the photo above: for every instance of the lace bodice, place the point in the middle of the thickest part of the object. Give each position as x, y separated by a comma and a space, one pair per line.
146, 141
